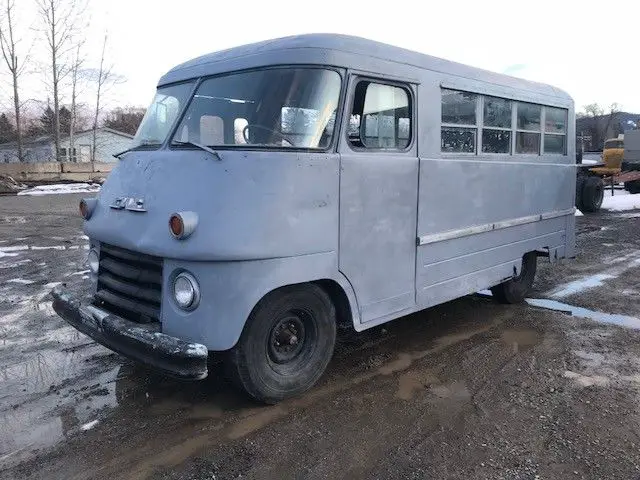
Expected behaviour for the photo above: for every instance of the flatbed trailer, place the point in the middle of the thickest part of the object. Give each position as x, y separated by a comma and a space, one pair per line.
592, 179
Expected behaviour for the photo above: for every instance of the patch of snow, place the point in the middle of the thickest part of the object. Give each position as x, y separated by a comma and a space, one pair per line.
74, 247
89, 426
61, 189
82, 272
19, 263
54, 247
622, 264
15, 248
20, 281
620, 202
582, 284
7, 254
586, 381
579, 213
52, 284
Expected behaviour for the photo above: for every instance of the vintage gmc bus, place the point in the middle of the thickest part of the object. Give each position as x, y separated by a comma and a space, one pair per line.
276, 189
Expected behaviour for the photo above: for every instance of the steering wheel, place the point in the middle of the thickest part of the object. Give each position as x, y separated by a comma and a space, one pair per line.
245, 131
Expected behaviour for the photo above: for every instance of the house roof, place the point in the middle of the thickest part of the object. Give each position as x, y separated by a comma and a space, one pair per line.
44, 139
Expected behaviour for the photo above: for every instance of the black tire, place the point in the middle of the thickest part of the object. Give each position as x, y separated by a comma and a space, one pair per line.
592, 194
632, 187
579, 187
515, 290
266, 362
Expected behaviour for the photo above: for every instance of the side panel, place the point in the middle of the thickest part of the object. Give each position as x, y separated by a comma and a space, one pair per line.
459, 197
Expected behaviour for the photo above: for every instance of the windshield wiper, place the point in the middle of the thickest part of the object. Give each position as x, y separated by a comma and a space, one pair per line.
117, 155
201, 147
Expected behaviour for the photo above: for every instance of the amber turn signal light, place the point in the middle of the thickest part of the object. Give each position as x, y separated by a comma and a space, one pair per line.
183, 224
176, 225
84, 210
87, 205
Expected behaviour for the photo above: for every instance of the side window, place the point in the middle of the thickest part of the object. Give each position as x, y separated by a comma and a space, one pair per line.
459, 122
496, 128
211, 130
380, 117
555, 130
528, 128
239, 125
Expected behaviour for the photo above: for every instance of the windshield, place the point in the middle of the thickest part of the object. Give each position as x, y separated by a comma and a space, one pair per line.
161, 115
279, 107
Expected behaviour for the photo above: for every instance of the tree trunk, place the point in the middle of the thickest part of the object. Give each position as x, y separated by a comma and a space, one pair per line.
54, 68
72, 123
16, 104
100, 82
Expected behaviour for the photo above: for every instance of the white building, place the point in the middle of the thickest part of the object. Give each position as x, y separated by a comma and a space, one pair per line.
41, 149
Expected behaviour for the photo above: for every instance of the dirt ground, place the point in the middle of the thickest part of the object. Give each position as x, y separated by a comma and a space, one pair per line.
466, 390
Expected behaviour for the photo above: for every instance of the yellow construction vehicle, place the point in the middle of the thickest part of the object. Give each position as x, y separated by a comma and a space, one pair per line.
612, 155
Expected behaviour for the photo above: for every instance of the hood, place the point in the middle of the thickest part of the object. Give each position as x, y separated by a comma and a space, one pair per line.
250, 205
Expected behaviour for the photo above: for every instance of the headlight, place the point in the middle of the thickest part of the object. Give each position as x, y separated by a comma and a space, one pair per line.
93, 260
186, 291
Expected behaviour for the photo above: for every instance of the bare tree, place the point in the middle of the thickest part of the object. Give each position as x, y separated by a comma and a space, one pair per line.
9, 49
601, 121
60, 20
76, 73
104, 77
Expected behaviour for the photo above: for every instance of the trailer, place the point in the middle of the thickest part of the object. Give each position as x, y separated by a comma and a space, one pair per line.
620, 165
631, 161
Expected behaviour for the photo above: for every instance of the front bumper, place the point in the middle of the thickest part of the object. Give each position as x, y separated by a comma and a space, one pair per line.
141, 342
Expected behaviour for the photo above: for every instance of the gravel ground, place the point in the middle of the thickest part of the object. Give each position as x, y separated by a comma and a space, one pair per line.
469, 389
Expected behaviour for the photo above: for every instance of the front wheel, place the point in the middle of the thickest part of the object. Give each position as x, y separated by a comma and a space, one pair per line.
286, 344
515, 289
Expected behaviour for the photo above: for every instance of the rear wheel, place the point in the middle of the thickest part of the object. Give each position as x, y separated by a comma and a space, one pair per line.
286, 344
632, 187
592, 194
515, 289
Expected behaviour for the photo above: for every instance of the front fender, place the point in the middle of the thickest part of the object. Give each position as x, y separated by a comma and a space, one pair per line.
230, 290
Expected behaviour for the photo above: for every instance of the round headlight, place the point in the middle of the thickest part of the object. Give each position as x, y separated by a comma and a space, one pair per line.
186, 291
93, 260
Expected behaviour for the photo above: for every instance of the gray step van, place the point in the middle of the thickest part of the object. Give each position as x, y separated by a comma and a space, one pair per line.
278, 189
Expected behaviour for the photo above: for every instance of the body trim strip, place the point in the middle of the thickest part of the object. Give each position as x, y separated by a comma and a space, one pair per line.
488, 227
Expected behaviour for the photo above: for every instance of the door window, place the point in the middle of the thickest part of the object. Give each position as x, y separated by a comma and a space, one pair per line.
380, 117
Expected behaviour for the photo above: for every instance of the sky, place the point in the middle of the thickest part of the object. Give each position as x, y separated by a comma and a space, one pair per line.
586, 49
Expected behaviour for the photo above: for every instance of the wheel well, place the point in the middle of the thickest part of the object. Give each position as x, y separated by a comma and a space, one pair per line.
340, 301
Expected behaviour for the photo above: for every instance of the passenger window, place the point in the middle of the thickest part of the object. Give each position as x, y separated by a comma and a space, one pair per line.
239, 125
459, 122
381, 117
496, 130
555, 130
528, 128
211, 130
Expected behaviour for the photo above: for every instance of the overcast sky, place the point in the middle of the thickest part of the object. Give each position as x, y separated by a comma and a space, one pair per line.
591, 52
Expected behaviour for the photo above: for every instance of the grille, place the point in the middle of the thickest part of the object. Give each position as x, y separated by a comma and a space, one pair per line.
129, 284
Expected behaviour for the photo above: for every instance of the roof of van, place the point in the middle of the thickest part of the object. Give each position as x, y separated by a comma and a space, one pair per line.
320, 45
